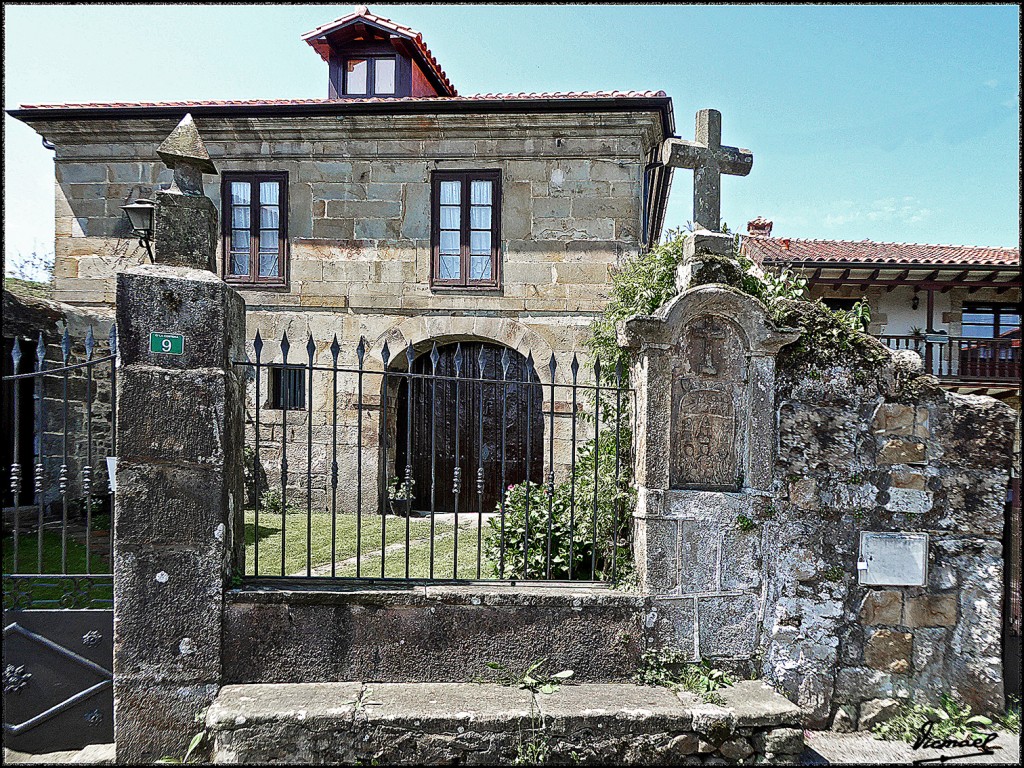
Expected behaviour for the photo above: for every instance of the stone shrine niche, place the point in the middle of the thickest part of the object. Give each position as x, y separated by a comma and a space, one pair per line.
709, 372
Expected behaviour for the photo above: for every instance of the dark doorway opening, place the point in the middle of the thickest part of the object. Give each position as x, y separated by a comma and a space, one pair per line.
477, 409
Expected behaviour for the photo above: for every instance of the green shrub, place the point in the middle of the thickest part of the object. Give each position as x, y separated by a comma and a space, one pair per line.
1011, 719
951, 719
577, 545
669, 667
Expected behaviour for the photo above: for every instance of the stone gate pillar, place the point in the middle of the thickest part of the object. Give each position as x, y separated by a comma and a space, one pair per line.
178, 519
704, 374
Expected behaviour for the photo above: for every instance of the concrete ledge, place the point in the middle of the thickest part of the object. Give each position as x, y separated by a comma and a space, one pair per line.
479, 724
333, 592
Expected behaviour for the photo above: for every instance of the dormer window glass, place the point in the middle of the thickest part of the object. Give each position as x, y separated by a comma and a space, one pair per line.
370, 76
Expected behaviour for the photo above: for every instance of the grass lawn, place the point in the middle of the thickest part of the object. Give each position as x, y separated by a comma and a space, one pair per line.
51, 590
295, 561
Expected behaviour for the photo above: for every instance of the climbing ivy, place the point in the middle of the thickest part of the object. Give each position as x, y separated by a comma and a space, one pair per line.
647, 281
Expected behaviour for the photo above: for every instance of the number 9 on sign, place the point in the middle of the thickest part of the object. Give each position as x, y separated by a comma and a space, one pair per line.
166, 343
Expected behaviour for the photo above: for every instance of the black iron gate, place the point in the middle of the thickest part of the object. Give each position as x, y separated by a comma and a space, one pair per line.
58, 435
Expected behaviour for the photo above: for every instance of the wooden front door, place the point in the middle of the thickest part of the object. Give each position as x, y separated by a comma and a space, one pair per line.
477, 409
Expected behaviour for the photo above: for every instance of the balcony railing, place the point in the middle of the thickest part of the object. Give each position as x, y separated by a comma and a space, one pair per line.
964, 360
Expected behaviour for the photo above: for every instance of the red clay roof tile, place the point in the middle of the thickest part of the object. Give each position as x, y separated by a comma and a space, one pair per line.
780, 250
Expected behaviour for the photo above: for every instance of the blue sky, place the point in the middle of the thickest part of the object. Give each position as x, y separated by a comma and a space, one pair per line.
866, 122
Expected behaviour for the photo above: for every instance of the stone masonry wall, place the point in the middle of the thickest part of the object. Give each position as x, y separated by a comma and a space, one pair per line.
25, 318
833, 436
358, 220
887, 452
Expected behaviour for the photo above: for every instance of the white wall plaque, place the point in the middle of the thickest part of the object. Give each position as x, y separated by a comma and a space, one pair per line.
893, 559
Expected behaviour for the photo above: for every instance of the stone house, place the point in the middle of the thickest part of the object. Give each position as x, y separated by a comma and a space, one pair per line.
392, 210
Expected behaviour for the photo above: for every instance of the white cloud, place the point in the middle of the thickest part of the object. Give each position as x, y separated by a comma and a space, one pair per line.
991, 83
902, 210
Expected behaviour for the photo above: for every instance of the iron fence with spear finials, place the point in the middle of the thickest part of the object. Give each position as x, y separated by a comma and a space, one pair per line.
448, 461
59, 420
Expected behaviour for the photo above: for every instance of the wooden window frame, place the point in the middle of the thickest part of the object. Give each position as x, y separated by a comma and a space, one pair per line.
997, 309
464, 282
371, 75
280, 280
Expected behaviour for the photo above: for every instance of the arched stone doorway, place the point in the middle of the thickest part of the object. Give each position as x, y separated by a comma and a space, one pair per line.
479, 410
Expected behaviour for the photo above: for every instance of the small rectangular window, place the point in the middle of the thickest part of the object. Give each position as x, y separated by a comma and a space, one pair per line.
287, 388
465, 229
255, 214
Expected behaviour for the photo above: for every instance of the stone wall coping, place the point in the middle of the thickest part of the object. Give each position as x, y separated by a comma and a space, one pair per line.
749, 704
748, 314
563, 596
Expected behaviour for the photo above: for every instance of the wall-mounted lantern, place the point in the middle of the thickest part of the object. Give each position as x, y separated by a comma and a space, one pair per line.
140, 217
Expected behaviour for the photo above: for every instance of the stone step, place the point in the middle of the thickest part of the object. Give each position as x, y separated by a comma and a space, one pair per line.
482, 723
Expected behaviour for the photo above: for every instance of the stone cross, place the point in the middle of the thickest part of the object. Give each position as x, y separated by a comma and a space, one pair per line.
708, 336
709, 160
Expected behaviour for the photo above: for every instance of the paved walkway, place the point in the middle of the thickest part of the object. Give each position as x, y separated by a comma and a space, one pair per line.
94, 754
827, 748
823, 748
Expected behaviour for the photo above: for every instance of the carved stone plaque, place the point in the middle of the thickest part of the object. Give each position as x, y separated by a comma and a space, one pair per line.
893, 559
707, 386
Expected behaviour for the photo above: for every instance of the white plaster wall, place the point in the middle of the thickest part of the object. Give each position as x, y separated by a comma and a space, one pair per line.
901, 319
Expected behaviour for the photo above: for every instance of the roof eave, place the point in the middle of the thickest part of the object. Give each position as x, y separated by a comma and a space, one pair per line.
914, 266
660, 104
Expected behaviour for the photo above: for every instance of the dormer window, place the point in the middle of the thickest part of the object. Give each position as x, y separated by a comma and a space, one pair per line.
369, 76
369, 56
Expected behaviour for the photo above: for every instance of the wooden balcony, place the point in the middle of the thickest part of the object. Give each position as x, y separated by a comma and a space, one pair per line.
966, 362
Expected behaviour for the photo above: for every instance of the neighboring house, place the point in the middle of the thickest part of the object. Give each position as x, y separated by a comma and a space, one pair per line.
958, 305
392, 210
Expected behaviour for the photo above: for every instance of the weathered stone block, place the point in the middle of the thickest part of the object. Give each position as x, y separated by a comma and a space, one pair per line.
698, 555
157, 720
901, 452
889, 651
855, 684
177, 416
168, 582
672, 623
193, 303
785, 741
895, 419
909, 501
931, 611
185, 231
169, 505
728, 626
881, 607
877, 711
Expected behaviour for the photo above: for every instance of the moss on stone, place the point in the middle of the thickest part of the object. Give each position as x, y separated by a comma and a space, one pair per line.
826, 341
722, 270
